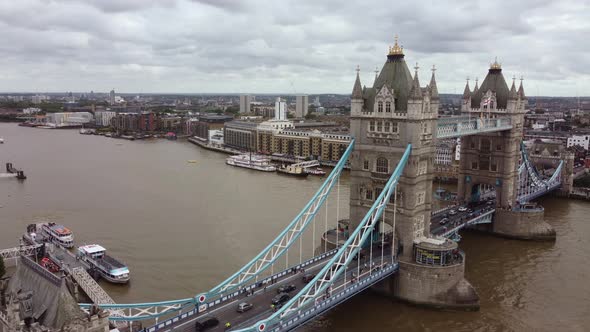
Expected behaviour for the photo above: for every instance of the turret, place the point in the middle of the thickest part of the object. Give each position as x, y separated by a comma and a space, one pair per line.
356, 103
415, 97
466, 99
512, 98
432, 85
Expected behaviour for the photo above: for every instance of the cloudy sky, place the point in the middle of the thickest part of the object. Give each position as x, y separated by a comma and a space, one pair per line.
286, 46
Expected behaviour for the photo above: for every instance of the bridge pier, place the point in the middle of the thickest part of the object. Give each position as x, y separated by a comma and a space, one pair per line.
522, 224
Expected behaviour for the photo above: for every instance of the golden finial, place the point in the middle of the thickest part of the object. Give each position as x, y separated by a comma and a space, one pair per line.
396, 49
496, 65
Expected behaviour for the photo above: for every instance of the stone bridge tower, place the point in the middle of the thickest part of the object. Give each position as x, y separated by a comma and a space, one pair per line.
385, 118
491, 160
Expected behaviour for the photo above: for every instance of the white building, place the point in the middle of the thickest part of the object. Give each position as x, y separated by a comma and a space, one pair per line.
301, 106
275, 125
103, 118
458, 149
581, 140
245, 101
112, 97
316, 102
38, 99
280, 109
444, 152
69, 119
216, 137
31, 110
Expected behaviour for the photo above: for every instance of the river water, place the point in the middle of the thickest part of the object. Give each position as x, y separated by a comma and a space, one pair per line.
181, 227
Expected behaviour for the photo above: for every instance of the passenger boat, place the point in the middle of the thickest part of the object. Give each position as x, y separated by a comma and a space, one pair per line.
49, 232
108, 267
316, 171
292, 170
1, 140
256, 162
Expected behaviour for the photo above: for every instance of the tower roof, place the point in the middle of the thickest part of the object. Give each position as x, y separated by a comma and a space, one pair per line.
467, 92
416, 92
521, 90
432, 85
513, 94
396, 75
495, 82
357, 90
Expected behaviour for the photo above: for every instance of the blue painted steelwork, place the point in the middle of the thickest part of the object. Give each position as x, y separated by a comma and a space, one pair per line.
336, 266
530, 183
229, 288
462, 126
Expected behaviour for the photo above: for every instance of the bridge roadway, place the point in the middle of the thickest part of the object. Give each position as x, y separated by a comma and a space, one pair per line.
261, 300
461, 217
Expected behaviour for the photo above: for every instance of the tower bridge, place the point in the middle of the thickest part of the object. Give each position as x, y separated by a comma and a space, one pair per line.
393, 243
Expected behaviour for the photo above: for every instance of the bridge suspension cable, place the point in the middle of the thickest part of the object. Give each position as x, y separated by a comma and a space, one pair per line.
337, 264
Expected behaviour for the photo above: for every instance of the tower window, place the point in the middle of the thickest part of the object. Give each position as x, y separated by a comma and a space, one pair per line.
394, 127
387, 126
388, 107
380, 107
382, 165
371, 126
378, 126
369, 194
366, 165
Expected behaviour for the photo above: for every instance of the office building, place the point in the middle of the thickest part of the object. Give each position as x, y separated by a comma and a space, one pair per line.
301, 106
245, 101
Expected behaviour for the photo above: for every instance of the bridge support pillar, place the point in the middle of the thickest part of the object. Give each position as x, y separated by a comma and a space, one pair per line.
524, 225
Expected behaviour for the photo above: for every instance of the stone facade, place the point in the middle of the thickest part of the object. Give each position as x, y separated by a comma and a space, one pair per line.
385, 118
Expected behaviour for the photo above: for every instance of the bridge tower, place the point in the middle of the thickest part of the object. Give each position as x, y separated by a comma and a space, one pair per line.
491, 160
385, 118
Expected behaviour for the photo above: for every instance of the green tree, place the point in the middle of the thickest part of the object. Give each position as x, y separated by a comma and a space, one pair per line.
2, 267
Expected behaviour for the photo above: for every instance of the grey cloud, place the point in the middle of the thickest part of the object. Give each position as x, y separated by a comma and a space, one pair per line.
263, 46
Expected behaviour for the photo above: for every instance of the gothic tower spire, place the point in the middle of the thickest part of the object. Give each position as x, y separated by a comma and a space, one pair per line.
513, 94
416, 91
521, 89
357, 90
433, 87
467, 92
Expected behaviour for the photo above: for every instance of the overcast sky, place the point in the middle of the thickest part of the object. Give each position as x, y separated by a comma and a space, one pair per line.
287, 46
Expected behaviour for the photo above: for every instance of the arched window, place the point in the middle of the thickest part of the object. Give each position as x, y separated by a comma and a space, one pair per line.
387, 107
380, 107
382, 165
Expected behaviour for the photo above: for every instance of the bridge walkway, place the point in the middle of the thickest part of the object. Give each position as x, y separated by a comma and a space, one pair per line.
261, 299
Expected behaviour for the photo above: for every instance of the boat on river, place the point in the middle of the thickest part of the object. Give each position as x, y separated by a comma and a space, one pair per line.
251, 161
292, 170
109, 268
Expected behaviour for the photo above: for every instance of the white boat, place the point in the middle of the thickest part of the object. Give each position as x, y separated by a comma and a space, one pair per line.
251, 161
108, 267
315, 171
50, 232
1, 140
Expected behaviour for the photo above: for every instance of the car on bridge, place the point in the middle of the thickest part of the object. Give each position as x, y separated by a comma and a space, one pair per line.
206, 324
244, 306
443, 221
308, 277
462, 209
286, 289
280, 299
452, 212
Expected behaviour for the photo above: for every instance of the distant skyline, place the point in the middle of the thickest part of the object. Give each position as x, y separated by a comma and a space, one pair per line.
287, 46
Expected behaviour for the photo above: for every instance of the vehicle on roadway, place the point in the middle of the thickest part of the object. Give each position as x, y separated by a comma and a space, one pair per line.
244, 306
490, 202
452, 212
280, 299
206, 324
286, 289
444, 221
308, 277
462, 209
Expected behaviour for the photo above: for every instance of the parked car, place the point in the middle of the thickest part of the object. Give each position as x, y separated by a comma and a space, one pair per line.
452, 212
244, 306
280, 299
286, 289
206, 324
462, 209
308, 277
444, 221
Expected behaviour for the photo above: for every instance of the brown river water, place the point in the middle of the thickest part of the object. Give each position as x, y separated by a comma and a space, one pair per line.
182, 227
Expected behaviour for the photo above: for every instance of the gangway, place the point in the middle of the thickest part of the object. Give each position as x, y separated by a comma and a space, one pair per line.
306, 164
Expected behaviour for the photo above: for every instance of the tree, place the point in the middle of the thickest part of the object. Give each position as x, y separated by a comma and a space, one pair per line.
2, 267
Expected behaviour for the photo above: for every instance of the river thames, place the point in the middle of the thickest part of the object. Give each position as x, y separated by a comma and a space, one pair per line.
181, 227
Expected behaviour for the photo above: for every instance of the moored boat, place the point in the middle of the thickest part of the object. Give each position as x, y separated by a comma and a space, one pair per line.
109, 268
292, 170
49, 232
255, 162
315, 171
